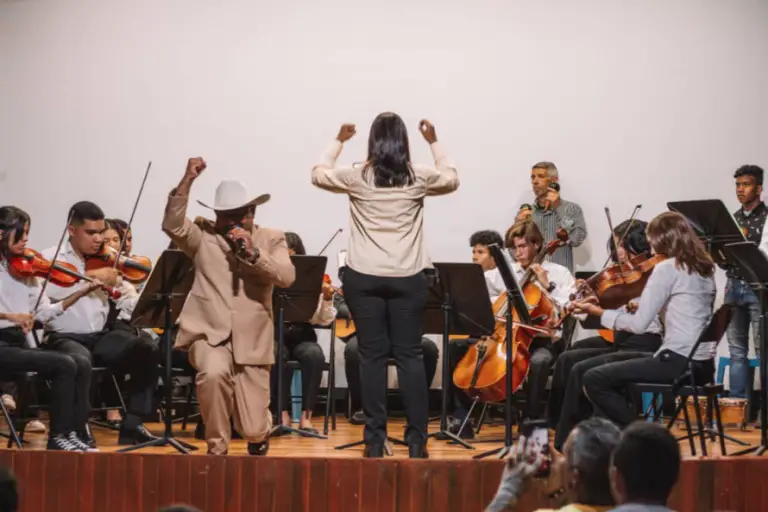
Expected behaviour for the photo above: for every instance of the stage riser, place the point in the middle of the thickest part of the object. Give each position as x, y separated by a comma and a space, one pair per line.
51, 481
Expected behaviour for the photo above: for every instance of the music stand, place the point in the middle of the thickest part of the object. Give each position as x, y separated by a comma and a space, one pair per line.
297, 303
516, 299
458, 303
752, 263
713, 222
159, 306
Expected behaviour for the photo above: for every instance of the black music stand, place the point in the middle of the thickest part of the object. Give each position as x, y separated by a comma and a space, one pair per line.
517, 300
297, 303
159, 306
752, 263
713, 222
458, 303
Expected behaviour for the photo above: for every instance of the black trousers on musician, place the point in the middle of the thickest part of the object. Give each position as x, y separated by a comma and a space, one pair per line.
123, 353
606, 386
567, 403
70, 376
388, 313
429, 352
300, 345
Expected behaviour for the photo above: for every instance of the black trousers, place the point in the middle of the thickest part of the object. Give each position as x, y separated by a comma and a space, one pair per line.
352, 367
70, 376
123, 353
312, 361
606, 386
388, 313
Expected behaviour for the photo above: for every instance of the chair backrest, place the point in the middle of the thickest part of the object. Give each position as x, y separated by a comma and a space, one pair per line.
714, 331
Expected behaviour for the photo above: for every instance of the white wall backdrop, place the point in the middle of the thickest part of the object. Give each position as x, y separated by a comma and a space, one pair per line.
636, 102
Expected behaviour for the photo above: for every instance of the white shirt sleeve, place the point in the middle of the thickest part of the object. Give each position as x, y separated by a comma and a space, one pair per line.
45, 310
655, 295
764, 241
565, 284
324, 314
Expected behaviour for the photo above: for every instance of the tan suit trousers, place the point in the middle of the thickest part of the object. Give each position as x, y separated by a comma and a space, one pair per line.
226, 389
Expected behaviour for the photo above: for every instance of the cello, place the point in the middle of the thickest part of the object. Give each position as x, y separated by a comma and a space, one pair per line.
482, 371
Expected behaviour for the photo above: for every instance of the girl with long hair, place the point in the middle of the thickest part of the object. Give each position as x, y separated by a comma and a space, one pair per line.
384, 283
682, 290
70, 374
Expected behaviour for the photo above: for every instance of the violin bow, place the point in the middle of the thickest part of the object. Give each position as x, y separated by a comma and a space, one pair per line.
337, 233
53, 260
130, 220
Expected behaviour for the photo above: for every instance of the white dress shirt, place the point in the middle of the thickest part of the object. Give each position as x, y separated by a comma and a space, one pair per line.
324, 314
561, 277
87, 315
20, 296
129, 296
495, 283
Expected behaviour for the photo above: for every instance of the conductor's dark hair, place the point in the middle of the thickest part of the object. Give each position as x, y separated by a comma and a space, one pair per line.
648, 458
83, 211
9, 492
486, 238
294, 242
389, 155
750, 170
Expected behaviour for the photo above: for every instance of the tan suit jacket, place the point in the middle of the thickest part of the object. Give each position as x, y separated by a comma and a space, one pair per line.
229, 295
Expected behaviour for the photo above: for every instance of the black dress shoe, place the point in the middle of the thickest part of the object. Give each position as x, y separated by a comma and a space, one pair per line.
418, 451
373, 451
258, 448
138, 435
200, 431
357, 418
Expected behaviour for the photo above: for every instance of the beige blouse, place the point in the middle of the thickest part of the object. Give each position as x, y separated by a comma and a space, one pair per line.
386, 224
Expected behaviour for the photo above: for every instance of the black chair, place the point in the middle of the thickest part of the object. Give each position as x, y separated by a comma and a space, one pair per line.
685, 386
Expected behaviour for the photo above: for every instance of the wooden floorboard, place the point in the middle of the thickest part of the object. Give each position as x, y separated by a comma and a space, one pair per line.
307, 474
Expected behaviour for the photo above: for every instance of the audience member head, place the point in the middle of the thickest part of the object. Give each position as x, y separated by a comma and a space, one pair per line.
645, 465
479, 243
584, 471
9, 493
86, 228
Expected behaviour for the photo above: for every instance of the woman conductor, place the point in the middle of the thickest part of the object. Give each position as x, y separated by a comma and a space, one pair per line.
384, 284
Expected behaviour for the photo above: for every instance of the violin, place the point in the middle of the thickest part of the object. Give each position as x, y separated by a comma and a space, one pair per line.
135, 269
482, 371
32, 264
618, 284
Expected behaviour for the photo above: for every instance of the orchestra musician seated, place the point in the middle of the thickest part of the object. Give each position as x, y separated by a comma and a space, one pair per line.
567, 403
525, 241
683, 285
300, 344
457, 348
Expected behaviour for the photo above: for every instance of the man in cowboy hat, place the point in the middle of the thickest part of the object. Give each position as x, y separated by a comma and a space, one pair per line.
226, 323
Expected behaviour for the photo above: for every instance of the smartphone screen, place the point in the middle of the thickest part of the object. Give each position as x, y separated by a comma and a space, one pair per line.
536, 432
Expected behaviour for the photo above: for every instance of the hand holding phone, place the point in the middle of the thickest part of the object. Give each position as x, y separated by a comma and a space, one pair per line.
532, 450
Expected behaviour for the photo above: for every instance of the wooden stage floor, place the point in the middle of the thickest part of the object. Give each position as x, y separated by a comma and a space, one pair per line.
308, 474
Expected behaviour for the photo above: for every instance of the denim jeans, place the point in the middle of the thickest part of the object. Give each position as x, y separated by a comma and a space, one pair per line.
746, 311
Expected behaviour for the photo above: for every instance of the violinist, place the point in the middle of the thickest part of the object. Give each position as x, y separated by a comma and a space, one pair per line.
301, 345
567, 403
550, 212
70, 374
525, 241
480, 242
683, 286
82, 329
122, 308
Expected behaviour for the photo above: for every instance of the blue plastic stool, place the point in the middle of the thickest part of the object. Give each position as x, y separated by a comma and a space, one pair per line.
647, 398
722, 362
296, 395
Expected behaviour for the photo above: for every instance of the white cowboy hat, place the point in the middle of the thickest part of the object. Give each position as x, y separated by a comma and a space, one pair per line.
233, 195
